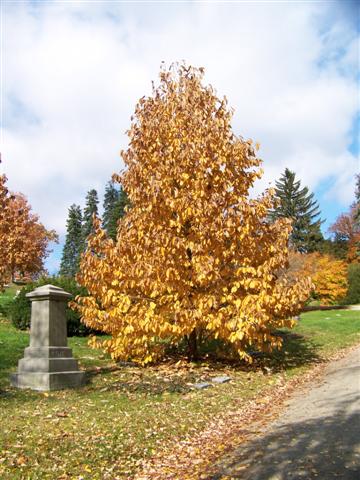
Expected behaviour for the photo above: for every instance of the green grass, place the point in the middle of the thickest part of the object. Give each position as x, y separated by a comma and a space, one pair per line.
125, 413
6, 297
331, 329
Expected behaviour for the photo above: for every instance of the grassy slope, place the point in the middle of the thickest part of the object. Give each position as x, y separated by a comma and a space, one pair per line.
7, 295
124, 413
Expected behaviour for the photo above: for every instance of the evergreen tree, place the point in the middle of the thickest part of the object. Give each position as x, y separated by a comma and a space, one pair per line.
117, 213
115, 202
110, 198
73, 243
91, 208
300, 206
336, 247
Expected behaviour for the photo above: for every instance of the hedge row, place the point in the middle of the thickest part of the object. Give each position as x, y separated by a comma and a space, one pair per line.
19, 310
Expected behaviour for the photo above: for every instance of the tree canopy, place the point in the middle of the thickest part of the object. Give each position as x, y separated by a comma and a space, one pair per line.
194, 257
24, 241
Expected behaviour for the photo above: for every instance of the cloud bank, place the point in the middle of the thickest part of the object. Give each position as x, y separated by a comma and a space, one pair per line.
72, 73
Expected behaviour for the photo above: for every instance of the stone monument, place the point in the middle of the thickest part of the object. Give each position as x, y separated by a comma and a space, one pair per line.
48, 363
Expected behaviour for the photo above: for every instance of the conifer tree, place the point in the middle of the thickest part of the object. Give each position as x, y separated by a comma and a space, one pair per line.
110, 198
91, 208
118, 212
299, 205
115, 201
73, 243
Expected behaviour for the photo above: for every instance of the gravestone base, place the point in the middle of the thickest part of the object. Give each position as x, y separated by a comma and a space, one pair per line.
48, 363
43, 381
48, 368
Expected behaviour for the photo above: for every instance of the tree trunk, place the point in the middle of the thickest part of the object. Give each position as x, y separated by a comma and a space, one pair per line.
193, 346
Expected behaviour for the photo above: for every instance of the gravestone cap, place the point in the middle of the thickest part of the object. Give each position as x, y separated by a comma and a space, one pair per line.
49, 292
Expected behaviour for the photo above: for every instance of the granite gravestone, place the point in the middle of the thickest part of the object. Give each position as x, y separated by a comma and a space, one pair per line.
48, 363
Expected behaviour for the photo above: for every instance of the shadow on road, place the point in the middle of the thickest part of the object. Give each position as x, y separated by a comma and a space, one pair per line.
323, 448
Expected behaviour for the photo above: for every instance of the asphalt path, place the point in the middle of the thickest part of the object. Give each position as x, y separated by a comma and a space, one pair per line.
316, 437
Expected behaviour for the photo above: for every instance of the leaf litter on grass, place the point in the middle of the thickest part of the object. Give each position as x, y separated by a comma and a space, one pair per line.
115, 425
194, 457
121, 417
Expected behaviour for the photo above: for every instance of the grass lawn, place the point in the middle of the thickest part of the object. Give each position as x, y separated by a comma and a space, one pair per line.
7, 295
125, 413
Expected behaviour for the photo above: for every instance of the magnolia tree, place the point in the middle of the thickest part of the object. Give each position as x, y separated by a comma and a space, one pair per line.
24, 240
194, 256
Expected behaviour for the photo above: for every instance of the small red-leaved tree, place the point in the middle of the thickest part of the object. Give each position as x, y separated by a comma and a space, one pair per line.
347, 229
24, 240
194, 256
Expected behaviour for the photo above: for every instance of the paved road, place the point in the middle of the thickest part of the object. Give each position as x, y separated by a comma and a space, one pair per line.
317, 436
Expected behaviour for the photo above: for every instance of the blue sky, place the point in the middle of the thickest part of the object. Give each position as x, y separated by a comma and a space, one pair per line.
73, 71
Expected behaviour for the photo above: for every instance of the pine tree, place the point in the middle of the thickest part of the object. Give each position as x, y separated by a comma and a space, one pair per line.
110, 198
300, 206
115, 201
73, 243
91, 208
117, 213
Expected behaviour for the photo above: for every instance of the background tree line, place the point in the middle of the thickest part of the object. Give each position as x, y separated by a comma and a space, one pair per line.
332, 263
79, 224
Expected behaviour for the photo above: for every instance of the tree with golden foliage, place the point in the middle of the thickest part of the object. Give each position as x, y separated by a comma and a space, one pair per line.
194, 257
329, 275
23, 239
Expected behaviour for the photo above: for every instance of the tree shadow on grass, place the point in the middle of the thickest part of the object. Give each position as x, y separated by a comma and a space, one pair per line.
153, 380
164, 377
324, 448
296, 351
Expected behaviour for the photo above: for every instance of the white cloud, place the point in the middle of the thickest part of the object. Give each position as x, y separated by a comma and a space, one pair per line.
73, 73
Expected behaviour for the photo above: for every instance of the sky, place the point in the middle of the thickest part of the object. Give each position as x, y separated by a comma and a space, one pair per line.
72, 72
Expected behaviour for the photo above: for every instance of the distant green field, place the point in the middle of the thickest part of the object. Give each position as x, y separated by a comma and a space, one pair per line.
331, 329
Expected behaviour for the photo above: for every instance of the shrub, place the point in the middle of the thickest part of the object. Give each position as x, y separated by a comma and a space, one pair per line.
4, 307
353, 293
19, 309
